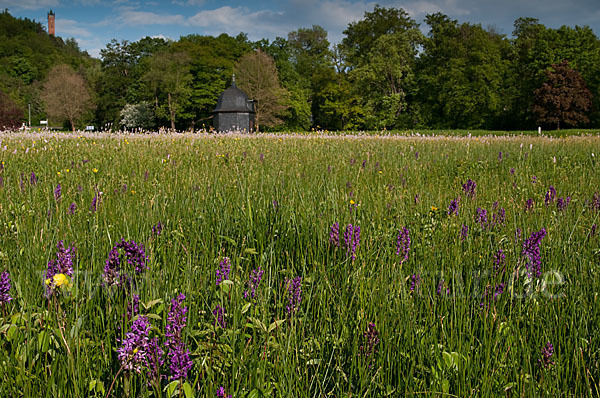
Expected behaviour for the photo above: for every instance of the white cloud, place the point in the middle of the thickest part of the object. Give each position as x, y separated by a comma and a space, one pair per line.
71, 28
133, 17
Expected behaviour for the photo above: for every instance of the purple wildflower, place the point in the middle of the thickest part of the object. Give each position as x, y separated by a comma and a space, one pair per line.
546, 359
491, 294
415, 281
94, 204
499, 217
529, 205
33, 179
469, 187
57, 192
63, 264
533, 178
157, 229
561, 203
134, 254
442, 289
531, 252
133, 307
179, 357
112, 267
223, 270
72, 208
262, 157
550, 195
221, 393
481, 217
133, 352
500, 156
334, 235
453, 207
403, 243
512, 170
294, 292
517, 235
595, 201
371, 339
253, 282
352, 239
5, 287
499, 261
218, 313
464, 232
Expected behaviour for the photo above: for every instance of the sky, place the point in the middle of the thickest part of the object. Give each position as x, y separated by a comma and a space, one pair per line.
93, 23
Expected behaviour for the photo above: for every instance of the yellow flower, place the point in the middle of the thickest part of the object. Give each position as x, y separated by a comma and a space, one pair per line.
67, 170
95, 170
58, 172
352, 202
132, 191
58, 280
433, 208
380, 172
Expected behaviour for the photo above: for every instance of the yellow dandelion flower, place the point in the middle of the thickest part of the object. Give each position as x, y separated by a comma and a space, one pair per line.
433, 208
352, 202
67, 170
95, 170
60, 280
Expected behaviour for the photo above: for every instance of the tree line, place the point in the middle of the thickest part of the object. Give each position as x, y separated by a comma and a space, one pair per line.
384, 74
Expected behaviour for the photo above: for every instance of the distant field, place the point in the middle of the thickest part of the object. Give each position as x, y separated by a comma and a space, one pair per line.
474, 270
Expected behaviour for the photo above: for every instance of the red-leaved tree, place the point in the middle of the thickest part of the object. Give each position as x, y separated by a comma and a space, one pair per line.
563, 98
10, 113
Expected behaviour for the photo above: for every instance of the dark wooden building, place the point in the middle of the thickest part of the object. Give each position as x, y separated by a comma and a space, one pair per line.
234, 111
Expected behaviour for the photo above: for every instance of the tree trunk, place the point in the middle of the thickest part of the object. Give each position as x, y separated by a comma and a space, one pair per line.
172, 112
72, 124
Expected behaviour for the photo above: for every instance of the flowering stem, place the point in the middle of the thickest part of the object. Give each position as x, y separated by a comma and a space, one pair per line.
113, 382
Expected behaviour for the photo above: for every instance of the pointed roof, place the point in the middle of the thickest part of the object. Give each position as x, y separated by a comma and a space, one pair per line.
234, 100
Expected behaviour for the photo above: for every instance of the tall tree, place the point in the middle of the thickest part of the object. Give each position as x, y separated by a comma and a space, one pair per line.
10, 114
563, 97
66, 95
258, 78
361, 36
312, 59
461, 74
169, 77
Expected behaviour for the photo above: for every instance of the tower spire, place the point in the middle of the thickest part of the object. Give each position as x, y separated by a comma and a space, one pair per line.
51, 26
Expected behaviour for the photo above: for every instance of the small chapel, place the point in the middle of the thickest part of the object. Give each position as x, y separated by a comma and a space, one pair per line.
234, 111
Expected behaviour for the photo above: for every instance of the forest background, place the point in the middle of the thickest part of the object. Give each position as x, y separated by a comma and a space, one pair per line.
385, 74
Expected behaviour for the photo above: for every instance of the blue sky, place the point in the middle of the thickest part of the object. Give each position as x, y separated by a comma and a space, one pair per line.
93, 23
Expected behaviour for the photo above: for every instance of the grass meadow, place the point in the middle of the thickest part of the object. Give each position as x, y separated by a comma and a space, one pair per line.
207, 265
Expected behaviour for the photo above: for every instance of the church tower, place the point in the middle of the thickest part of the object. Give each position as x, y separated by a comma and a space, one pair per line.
51, 30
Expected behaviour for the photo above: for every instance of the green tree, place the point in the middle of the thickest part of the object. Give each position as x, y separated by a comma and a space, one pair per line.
563, 97
361, 36
312, 60
169, 77
461, 74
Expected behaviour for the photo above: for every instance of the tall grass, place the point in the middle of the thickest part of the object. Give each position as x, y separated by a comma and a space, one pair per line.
269, 202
